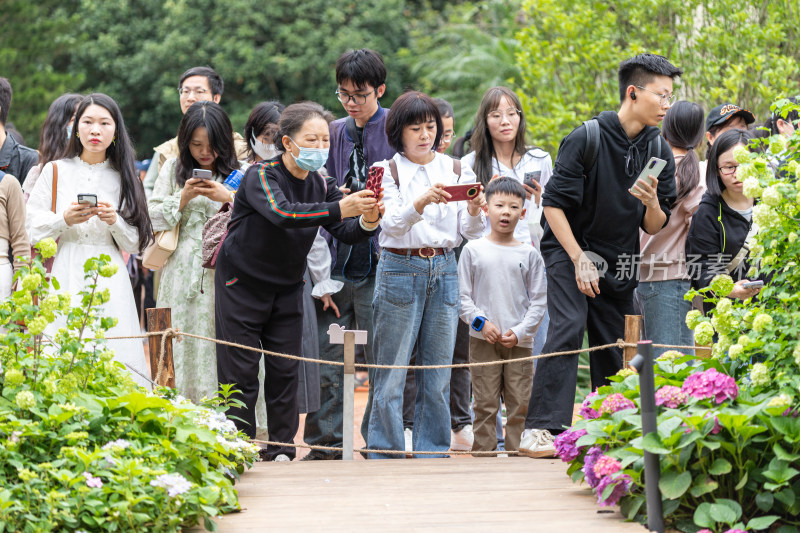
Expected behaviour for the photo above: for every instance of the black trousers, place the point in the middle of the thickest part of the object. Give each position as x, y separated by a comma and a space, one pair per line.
572, 312
271, 319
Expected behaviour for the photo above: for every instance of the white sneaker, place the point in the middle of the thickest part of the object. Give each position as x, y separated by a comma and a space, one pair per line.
462, 439
281, 458
409, 439
538, 443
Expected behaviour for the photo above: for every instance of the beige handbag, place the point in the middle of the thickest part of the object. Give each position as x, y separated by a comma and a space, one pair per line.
156, 255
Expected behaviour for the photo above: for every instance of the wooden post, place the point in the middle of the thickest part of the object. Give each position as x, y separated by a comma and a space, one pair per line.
160, 319
633, 334
348, 394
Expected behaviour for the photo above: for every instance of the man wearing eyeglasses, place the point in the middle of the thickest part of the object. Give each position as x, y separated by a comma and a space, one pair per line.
594, 211
358, 141
198, 84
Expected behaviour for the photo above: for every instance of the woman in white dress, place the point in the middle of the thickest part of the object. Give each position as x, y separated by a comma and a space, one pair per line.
99, 161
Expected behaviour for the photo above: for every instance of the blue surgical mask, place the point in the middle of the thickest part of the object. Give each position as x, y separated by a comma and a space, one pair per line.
69, 130
311, 159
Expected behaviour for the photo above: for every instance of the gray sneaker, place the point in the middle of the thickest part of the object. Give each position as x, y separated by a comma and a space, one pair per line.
538, 443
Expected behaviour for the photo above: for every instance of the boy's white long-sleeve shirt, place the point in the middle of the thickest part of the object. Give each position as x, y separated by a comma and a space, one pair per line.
504, 284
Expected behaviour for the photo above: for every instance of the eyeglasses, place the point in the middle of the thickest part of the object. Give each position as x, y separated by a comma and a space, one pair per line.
358, 99
666, 99
198, 91
509, 113
447, 136
728, 170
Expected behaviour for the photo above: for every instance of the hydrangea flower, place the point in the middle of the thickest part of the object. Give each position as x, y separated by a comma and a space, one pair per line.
108, 270
670, 355
119, 443
693, 318
47, 247
214, 421
751, 187
721, 284
14, 378
777, 144
25, 400
616, 402
759, 375
586, 410
796, 354
605, 466
174, 484
93, 482
781, 400
717, 427
622, 485
704, 333
565, 444
724, 306
765, 217
670, 396
735, 351
31, 282
772, 196
625, 372
741, 154
588, 465
761, 322
711, 384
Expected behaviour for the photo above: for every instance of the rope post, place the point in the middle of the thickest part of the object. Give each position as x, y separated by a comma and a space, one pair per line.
160, 319
348, 395
633, 334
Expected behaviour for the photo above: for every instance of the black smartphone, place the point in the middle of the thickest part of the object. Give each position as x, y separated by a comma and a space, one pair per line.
88, 199
201, 174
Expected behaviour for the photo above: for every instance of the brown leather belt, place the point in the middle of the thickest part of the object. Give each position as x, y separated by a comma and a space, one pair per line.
421, 252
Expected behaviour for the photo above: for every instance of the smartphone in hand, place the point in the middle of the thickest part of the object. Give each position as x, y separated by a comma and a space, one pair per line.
375, 180
458, 193
88, 199
652, 168
532, 179
757, 284
201, 174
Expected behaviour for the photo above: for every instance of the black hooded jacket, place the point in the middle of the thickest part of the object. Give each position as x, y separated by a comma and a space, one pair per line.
605, 218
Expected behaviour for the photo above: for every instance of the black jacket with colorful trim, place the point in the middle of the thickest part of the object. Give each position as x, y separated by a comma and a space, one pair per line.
275, 220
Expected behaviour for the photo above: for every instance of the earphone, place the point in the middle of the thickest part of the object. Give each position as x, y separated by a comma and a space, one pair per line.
633, 95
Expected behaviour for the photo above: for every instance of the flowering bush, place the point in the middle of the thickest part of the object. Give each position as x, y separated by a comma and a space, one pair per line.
728, 434
83, 448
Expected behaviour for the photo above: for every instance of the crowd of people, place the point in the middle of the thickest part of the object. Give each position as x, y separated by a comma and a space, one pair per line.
492, 256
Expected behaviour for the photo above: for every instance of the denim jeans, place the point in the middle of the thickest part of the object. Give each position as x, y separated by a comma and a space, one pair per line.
324, 427
416, 298
665, 313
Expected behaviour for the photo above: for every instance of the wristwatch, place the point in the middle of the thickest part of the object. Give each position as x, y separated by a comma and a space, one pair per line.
478, 323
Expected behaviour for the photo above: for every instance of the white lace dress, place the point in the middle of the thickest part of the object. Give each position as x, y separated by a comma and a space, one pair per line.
80, 242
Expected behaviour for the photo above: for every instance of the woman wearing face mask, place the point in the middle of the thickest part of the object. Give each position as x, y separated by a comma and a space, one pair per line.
205, 141
259, 278
56, 133
99, 160
260, 131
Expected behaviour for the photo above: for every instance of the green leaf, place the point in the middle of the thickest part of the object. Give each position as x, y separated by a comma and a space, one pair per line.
652, 443
762, 522
786, 497
673, 484
702, 515
743, 481
209, 524
722, 513
782, 454
719, 467
703, 485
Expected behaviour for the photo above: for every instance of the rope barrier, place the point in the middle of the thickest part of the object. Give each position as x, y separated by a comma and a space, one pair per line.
385, 452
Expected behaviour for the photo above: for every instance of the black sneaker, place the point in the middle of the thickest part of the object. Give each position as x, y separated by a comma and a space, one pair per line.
316, 455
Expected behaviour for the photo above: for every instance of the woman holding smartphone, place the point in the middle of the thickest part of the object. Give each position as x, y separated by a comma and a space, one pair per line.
99, 163
416, 285
206, 147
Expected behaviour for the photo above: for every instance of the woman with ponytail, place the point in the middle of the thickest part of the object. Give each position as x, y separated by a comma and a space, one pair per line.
663, 275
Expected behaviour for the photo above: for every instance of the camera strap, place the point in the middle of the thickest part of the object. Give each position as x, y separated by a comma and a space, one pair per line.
358, 147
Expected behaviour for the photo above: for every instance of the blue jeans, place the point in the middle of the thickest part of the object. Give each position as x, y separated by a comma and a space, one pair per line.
416, 299
324, 427
665, 313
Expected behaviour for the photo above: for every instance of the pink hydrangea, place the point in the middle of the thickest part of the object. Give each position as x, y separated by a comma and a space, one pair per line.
588, 465
616, 402
670, 396
587, 411
565, 445
622, 484
93, 482
605, 466
717, 427
711, 384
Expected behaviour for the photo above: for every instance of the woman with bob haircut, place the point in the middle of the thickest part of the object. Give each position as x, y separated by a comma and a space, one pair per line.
98, 160
205, 141
259, 131
259, 282
416, 286
717, 239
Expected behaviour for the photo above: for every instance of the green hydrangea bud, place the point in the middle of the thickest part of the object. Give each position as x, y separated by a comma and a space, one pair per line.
625, 372
670, 355
792, 237
31, 282
724, 306
777, 144
772, 196
37, 325
735, 351
796, 354
14, 378
722, 285
65, 302
741, 154
793, 166
108, 270
25, 400
49, 304
704, 333
765, 216
761, 322
21, 298
47, 247
751, 187
759, 375
744, 340
781, 401
693, 318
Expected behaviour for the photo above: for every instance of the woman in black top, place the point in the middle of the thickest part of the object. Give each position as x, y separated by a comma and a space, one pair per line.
259, 277
716, 243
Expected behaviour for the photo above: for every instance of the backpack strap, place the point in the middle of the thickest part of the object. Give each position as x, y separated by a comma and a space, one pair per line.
654, 147
393, 171
55, 188
592, 144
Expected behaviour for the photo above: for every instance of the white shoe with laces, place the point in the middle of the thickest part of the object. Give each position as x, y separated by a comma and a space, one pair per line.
537, 443
463, 439
408, 435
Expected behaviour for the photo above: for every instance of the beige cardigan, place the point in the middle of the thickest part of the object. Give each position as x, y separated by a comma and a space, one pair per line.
12, 220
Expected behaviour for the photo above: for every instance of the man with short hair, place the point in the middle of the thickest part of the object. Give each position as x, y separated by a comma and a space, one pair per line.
595, 205
15, 159
357, 142
198, 84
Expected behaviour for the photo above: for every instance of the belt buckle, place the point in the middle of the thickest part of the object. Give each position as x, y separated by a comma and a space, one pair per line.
433, 252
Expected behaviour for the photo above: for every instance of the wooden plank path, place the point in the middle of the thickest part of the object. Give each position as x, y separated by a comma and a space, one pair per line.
419, 495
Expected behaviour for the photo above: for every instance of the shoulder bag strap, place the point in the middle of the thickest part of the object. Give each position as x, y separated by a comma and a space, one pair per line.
394, 173
592, 145
55, 188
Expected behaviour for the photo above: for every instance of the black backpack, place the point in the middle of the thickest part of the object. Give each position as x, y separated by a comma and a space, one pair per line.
593, 145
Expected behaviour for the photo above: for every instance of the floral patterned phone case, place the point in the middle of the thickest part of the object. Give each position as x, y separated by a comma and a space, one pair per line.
374, 180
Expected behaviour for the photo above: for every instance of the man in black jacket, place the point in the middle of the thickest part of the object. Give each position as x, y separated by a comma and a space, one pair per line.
594, 212
15, 159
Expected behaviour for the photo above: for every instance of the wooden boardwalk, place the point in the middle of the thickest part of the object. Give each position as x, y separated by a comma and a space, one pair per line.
419, 495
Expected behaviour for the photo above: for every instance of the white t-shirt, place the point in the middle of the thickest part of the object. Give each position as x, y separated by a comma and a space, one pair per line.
528, 229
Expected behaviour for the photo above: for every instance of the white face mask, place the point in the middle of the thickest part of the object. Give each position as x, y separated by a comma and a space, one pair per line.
263, 150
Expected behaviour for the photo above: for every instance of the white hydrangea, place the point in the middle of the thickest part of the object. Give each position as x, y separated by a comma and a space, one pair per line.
119, 443
751, 187
216, 422
173, 483
772, 196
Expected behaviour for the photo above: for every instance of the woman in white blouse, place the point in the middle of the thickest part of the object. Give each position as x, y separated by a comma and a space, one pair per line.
100, 161
416, 288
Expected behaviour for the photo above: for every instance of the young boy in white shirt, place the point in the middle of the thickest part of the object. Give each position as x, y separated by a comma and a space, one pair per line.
503, 299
